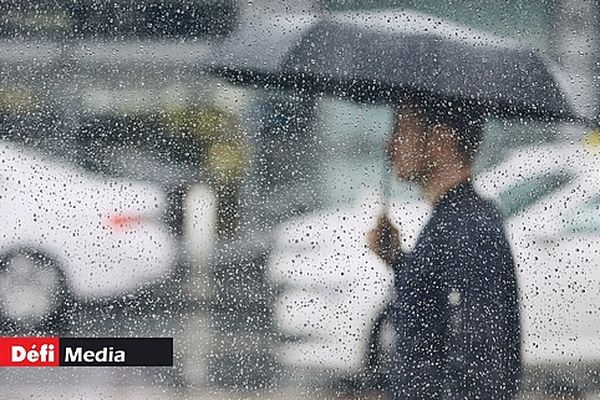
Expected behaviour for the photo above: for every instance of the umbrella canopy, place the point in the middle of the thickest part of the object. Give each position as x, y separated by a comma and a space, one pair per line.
378, 56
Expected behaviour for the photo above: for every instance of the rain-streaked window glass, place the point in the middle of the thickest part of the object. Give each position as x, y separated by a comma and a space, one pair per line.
295, 193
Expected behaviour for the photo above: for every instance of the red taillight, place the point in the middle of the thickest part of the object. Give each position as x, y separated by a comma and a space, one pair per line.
124, 221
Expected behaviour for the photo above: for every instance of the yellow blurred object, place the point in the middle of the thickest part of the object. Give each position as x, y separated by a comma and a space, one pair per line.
54, 20
202, 122
17, 99
592, 141
227, 161
217, 135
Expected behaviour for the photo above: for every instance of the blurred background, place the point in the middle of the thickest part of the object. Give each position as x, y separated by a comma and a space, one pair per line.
141, 196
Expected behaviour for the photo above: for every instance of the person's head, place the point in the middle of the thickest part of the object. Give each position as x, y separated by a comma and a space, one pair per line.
430, 134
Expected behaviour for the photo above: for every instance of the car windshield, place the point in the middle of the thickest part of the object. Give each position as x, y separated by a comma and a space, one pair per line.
586, 218
531, 190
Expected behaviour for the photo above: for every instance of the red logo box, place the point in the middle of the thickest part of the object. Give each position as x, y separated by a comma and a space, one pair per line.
29, 351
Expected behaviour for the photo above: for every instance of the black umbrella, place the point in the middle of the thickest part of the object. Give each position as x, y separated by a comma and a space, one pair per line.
378, 56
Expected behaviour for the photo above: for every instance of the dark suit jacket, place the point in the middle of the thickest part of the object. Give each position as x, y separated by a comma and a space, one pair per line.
456, 311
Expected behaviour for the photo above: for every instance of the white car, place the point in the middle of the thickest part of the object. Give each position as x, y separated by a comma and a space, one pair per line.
551, 196
333, 289
68, 234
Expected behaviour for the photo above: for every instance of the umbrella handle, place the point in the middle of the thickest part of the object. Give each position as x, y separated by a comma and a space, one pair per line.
386, 184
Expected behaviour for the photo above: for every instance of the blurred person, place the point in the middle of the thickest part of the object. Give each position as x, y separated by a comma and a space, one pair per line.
455, 309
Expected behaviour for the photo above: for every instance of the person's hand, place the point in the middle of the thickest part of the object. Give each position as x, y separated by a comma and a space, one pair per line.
384, 240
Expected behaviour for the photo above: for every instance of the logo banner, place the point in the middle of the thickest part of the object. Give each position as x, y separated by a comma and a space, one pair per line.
85, 352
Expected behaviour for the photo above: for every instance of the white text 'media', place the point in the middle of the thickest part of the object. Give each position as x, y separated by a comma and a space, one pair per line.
106, 354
